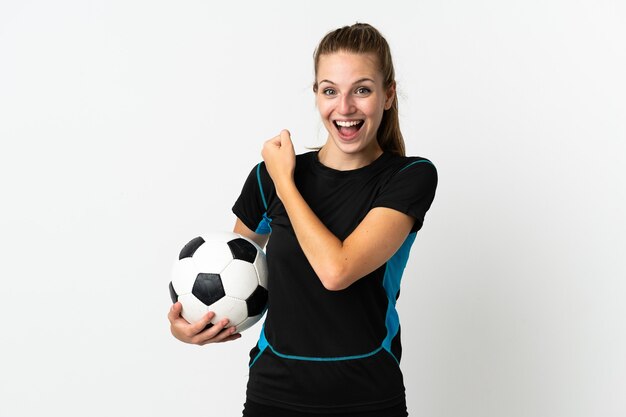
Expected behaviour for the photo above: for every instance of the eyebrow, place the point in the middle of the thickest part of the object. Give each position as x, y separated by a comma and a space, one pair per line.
356, 82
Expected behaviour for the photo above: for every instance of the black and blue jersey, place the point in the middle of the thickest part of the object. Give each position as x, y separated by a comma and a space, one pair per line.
328, 351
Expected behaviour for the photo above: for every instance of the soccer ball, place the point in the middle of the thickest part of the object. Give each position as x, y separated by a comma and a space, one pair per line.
222, 272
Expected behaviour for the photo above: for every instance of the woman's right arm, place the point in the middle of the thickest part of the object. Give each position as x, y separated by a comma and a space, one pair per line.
245, 231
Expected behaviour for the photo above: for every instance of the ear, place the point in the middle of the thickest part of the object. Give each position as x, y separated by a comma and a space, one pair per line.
391, 94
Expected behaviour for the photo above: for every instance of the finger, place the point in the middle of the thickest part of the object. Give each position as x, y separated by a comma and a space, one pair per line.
175, 311
207, 334
226, 334
285, 138
274, 142
233, 336
199, 326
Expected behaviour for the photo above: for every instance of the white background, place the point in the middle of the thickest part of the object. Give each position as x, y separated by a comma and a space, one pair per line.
128, 127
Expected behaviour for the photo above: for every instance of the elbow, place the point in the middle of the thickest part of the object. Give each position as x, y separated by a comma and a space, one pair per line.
334, 279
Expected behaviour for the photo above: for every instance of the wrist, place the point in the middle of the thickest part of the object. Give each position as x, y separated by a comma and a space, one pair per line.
285, 187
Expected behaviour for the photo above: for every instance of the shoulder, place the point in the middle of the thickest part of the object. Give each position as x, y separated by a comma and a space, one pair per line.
409, 187
405, 162
411, 174
411, 165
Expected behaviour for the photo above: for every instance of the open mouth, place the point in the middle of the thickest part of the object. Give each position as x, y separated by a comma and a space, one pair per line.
348, 128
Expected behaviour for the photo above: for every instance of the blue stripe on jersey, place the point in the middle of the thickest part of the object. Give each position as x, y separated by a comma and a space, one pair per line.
264, 226
391, 282
326, 359
258, 178
264, 344
417, 162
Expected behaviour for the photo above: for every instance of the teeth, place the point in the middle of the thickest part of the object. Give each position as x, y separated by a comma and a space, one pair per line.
347, 124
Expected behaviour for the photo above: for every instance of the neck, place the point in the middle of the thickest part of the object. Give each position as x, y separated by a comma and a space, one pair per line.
334, 158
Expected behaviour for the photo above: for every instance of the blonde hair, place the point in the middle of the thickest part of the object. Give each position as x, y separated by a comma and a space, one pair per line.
362, 38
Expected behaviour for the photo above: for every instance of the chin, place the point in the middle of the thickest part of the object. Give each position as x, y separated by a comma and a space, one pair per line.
351, 147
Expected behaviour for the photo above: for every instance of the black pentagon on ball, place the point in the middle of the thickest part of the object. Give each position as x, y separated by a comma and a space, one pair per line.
242, 249
208, 288
190, 248
257, 301
173, 294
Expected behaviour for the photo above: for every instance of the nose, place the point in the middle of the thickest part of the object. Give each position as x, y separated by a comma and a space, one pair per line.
346, 104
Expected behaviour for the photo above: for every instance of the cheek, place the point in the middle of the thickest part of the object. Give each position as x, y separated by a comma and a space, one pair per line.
374, 110
323, 109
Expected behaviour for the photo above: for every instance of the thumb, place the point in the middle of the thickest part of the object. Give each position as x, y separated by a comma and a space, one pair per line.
285, 138
175, 311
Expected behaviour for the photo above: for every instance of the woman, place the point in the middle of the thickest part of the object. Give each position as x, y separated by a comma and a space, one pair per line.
340, 222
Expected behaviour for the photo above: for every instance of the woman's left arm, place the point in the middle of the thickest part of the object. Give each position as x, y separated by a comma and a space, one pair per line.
337, 263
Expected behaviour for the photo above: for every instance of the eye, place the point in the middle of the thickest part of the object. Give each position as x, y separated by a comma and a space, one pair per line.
329, 92
363, 91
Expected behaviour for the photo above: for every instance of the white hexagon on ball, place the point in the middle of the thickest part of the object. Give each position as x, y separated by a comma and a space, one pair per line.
212, 256
260, 264
193, 309
185, 271
233, 309
237, 279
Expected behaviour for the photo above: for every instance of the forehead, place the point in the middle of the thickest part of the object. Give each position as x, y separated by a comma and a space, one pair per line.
345, 66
